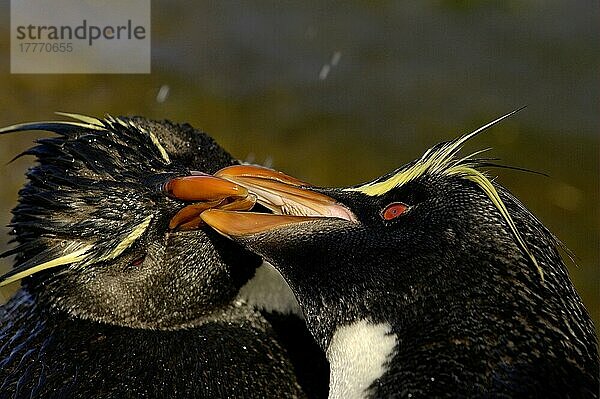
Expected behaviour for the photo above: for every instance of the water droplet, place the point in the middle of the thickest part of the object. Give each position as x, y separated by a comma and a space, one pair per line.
335, 58
162, 94
324, 72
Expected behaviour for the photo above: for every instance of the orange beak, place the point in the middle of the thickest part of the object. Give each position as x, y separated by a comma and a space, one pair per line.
283, 194
235, 224
237, 188
203, 187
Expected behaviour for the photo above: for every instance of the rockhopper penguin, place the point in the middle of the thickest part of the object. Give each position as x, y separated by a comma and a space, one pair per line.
430, 281
123, 295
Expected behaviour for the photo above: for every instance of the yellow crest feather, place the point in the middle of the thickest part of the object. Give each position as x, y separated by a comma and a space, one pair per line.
442, 160
83, 254
73, 257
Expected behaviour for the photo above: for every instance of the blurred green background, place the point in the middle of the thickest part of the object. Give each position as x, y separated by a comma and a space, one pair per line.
338, 93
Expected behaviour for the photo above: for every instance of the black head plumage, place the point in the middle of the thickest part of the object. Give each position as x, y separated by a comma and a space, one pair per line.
94, 209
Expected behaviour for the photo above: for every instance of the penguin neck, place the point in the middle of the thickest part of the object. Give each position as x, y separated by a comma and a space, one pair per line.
268, 291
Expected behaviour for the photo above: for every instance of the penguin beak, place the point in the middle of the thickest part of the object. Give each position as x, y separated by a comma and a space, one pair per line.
237, 224
206, 191
290, 200
203, 187
283, 194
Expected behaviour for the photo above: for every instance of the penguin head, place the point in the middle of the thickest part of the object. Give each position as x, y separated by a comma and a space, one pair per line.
102, 225
434, 243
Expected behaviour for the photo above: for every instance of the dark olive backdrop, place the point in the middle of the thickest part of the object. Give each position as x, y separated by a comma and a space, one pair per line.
340, 93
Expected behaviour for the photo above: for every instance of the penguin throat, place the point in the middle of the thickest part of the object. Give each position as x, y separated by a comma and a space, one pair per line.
268, 291
358, 355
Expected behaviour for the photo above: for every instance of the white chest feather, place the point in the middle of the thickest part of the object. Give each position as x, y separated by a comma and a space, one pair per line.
268, 291
357, 355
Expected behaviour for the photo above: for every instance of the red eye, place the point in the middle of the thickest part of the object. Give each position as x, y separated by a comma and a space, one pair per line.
394, 210
138, 261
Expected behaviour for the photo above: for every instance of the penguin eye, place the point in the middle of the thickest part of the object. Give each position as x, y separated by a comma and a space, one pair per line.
138, 261
393, 210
